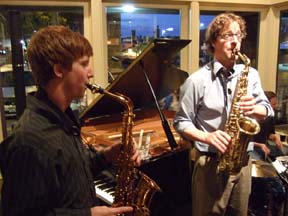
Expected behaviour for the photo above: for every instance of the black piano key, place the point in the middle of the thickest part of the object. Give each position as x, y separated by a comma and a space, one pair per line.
109, 190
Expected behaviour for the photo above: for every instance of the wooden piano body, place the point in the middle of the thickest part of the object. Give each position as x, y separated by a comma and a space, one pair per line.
102, 123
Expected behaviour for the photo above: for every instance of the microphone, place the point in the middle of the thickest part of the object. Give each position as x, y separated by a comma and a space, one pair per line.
229, 91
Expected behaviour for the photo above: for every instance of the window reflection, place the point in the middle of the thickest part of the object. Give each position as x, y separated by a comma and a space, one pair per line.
128, 33
282, 72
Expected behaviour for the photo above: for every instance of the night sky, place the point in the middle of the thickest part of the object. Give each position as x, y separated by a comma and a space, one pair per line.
168, 23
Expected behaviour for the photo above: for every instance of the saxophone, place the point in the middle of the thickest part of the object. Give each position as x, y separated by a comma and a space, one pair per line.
240, 128
133, 188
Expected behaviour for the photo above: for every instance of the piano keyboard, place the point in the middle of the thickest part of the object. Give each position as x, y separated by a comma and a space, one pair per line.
105, 187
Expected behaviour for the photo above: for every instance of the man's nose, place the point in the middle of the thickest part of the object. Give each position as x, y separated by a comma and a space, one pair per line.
90, 72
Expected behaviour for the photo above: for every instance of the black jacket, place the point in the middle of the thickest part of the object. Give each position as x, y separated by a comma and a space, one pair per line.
45, 167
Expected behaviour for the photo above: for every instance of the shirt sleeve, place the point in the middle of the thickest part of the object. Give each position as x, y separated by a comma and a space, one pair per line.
258, 93
97, 161
26, 186
185, 117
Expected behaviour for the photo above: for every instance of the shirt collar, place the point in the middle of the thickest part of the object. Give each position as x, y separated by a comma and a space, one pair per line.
44, 106
217, 67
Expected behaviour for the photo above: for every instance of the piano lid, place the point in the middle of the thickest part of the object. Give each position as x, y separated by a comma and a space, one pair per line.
156, 60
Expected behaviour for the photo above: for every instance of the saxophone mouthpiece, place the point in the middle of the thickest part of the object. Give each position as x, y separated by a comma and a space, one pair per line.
94, 88
235, 51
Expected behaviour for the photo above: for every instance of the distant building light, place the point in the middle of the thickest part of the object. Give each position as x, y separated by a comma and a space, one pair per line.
126, 40
202, 25
128, 8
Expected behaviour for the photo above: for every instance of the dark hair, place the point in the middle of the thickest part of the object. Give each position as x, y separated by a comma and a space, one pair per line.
218, 24
55, 45
270, 94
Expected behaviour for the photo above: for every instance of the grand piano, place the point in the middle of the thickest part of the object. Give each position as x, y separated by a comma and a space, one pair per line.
150, 77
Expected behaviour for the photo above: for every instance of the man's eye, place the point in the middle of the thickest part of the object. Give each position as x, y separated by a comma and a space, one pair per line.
85, 64
230, 36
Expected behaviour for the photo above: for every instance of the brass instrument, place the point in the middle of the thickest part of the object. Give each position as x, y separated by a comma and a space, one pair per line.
240, 128
133, 188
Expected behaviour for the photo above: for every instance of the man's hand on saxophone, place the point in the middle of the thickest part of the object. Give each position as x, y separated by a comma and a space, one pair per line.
250, 108
110, 211
219, 139
247, 105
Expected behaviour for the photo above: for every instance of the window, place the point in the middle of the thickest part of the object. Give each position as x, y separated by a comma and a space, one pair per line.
130, 30
8, 93
282, 70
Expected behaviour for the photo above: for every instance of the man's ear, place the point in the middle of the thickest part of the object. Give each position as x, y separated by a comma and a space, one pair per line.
213, 45
58, 70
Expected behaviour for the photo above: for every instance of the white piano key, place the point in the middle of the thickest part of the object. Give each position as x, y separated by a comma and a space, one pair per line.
104, 196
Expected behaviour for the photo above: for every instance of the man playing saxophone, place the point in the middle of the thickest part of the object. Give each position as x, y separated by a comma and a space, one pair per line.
45, 166
205, 103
